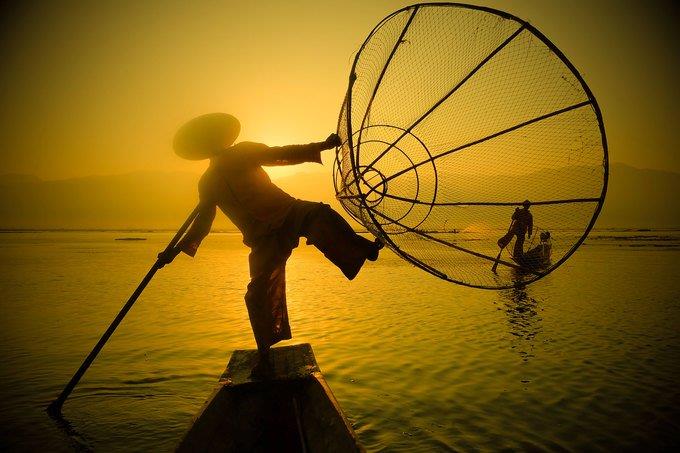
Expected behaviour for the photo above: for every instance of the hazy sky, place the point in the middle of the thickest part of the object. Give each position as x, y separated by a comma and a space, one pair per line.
100, 87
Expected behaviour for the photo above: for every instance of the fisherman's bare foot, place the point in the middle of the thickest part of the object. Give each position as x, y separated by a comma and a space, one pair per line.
375, 250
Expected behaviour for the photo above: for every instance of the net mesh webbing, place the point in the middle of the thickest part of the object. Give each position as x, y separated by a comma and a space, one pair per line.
453, 117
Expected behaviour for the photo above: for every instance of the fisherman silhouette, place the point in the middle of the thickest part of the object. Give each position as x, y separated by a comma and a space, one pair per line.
270, 220
522, 223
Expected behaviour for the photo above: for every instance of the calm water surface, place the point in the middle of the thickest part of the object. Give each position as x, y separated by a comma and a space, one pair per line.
585, 359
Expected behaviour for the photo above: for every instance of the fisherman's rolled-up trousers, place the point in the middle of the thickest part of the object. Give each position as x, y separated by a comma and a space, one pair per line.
266, 296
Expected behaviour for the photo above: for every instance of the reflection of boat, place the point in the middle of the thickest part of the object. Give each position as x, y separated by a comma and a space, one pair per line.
524, 320
537, 257
293, 410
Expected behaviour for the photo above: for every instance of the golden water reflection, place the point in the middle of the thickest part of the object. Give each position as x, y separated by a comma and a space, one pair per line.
524, 320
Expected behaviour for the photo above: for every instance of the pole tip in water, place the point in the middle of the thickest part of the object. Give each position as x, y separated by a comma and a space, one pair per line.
54, 409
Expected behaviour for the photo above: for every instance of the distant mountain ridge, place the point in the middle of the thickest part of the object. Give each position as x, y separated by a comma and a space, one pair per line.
636, 199
135, 200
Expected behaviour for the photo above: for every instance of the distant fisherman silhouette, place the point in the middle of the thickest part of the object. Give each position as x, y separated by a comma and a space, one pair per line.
270, 220
522, 223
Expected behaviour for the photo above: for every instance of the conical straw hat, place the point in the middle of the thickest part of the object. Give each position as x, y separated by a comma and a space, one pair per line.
206, 135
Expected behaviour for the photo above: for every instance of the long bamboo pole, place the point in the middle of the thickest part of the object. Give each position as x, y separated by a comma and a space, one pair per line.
54, 409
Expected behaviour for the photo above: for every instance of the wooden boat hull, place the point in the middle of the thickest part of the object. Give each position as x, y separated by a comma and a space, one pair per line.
292, 411
537, 258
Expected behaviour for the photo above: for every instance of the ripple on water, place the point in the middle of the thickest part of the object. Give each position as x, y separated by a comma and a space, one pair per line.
417, 364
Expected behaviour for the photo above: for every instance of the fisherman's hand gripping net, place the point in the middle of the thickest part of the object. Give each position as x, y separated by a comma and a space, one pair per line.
455, 115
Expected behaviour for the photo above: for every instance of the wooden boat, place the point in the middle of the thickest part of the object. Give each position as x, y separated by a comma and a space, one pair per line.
292, 410
537, 258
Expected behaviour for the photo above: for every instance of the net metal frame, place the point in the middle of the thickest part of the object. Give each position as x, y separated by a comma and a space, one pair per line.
363, 197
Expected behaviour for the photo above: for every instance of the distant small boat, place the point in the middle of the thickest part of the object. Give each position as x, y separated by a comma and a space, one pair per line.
294, 410
130, 239
537, 258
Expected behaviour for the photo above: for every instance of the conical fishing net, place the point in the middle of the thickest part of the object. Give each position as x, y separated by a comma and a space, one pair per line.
454, 116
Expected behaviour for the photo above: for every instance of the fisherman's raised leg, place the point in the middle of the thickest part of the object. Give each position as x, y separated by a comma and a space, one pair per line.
334, 237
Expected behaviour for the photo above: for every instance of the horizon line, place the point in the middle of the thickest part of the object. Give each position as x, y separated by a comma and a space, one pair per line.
198, 173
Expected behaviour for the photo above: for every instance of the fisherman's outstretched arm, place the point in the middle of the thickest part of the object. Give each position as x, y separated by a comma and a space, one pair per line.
199, 229
290, 154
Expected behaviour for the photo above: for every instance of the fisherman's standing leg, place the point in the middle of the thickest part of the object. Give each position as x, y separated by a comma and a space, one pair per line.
518, 250
266, 295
